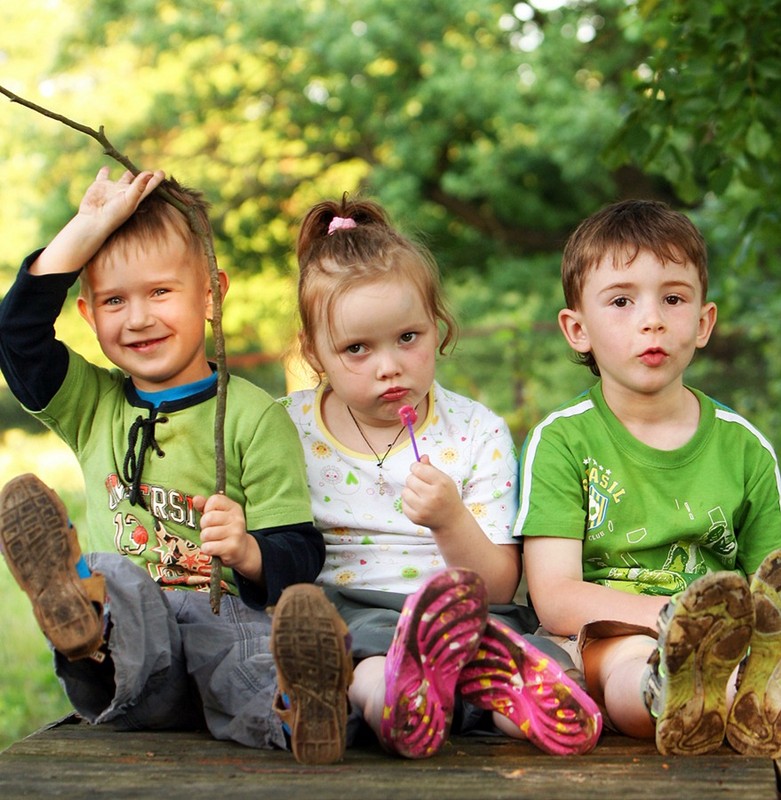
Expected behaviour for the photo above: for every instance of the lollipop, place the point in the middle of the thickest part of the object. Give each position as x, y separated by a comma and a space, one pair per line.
409, 417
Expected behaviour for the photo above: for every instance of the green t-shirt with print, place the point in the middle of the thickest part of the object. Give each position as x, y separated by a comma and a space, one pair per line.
94, 412
651, 521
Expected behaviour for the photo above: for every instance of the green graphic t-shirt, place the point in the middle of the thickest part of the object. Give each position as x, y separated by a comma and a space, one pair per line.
651, 521
95, 412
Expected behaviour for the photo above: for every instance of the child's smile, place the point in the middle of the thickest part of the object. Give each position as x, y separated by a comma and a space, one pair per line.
148, 308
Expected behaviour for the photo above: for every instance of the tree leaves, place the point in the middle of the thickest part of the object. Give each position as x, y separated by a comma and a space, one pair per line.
488, 129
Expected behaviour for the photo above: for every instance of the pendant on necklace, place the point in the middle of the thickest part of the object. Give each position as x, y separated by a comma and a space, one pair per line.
380, 482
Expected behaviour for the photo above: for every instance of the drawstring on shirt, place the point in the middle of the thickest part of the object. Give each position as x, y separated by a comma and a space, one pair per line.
134, 463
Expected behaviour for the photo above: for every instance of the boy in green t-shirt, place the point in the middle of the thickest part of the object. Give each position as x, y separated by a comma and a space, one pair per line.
135, 641
650, 514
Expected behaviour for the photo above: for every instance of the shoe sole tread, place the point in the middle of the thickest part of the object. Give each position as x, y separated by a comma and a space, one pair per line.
315, 670
36, 539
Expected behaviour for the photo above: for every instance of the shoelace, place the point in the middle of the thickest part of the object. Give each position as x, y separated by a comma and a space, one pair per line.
134, 462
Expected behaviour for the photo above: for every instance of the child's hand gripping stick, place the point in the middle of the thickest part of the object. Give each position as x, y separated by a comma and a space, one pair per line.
409, 417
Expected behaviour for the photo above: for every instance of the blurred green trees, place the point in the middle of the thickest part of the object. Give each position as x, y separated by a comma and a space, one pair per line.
489, 129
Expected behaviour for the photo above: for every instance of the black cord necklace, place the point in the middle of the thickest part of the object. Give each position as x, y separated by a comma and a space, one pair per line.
380, 459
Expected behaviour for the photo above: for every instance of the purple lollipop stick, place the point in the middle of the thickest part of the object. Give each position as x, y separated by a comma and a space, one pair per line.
409, 417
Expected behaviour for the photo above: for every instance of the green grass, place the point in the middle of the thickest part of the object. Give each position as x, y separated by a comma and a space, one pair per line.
30, 695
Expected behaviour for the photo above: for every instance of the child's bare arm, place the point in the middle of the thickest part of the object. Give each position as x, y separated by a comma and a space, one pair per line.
105, 206
431, 498
564, 602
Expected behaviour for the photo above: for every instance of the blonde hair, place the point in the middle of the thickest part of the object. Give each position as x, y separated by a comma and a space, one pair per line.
359, 248
154, 221
620, 231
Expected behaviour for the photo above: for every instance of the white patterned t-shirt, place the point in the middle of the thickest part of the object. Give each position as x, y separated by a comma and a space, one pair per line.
370, 542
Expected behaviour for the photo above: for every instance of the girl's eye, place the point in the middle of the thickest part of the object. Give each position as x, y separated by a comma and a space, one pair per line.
158, 292
408, 337
673, 300
621, 302
113, 301
354, 349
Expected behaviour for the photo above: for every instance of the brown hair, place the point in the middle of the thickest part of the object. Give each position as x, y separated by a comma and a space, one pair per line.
155, 220
332, 263
620, 231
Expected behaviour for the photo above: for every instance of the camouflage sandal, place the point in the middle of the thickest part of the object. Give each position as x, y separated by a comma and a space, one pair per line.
754, 723
42, 551
703, 635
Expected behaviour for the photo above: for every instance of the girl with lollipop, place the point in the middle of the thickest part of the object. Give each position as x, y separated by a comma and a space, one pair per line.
416, 508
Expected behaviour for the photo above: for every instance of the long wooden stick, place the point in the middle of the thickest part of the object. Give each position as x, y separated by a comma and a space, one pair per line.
215, 588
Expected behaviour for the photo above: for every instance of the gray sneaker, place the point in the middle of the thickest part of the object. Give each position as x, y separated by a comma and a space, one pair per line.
703, 635
42, 551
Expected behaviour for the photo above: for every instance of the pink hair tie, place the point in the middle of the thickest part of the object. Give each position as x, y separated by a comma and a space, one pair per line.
341, 223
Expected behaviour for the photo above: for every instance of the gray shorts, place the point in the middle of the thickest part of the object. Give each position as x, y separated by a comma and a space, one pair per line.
175, 664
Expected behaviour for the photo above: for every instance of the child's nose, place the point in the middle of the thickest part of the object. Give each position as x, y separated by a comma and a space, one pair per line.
387, 365
138, 315
653, 318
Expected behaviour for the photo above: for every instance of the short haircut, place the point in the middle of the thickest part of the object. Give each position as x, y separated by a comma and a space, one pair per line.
155, 220
620, 231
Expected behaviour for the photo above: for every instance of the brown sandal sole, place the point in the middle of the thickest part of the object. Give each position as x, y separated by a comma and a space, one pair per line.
41, 549
314, 671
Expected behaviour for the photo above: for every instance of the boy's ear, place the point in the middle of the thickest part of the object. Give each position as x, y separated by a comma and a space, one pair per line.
224, 284
708, 314
574, 331
85, 309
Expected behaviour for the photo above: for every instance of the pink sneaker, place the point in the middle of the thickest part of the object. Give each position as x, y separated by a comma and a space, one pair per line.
512, 677
438, 632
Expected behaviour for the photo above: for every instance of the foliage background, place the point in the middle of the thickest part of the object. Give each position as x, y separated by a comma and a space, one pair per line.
488, 129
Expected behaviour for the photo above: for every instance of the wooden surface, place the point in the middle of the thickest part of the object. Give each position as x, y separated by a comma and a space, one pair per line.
74, 760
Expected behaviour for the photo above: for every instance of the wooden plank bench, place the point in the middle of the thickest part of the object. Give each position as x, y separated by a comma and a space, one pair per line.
71, 759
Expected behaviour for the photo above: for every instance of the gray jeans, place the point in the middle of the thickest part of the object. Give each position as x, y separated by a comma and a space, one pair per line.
174, 664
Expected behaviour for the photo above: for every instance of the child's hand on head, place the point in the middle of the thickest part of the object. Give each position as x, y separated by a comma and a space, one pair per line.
224, 534
112, 202
104, 207
430, 497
